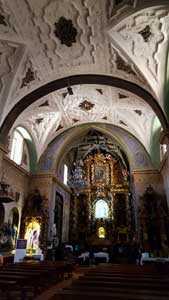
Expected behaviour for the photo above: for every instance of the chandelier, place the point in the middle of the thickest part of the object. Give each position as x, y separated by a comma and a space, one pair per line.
77, 180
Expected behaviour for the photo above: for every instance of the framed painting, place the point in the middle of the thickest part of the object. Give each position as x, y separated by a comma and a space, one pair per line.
101, 172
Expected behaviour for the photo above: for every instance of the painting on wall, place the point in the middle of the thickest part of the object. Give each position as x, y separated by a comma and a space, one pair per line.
100, 172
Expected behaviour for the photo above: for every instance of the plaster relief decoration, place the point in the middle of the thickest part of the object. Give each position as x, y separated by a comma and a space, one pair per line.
9, 57
79, 107
26, 78
118, 7
61, 33
7, 25
139, 112
86, 105
143, 37
59, 110
146, 33
30, 75
65, 31
122, 66
7, 60
2, 20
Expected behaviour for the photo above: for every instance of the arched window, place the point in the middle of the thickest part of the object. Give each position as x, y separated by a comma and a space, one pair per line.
101, 209
17, 147
65, 175
22, 149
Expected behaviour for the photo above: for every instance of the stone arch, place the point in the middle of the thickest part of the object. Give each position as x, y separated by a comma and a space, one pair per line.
74, 80
54, 154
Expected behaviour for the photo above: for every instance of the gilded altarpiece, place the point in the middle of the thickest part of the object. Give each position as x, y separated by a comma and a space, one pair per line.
102, 213
153, 220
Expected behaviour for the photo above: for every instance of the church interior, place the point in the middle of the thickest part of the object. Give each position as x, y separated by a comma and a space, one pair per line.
84, 133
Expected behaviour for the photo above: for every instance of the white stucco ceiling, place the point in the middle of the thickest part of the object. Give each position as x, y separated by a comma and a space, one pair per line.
126, 39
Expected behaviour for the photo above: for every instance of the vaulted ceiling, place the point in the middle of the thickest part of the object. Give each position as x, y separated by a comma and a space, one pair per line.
123, 39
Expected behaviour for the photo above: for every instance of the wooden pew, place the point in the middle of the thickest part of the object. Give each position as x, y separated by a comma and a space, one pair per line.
91, 295
28, 279
119, 283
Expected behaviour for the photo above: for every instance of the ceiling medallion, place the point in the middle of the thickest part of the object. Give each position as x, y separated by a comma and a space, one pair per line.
65, 31
86, 105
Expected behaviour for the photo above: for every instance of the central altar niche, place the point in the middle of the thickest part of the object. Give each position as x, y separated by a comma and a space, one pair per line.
101, 209
102, 213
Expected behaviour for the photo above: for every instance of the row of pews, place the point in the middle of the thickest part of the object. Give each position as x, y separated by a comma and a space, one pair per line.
24, 281
118, 282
